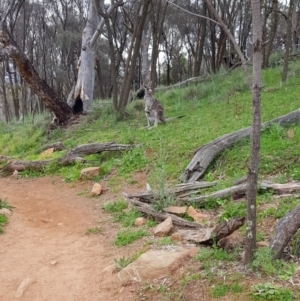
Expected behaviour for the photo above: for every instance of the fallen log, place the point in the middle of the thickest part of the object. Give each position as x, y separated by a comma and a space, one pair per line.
147, 209
285, 229
57, 146
150, 195
241, 190
74, 155
204, 155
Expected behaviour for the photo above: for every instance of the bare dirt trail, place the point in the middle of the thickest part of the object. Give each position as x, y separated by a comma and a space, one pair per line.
45, 242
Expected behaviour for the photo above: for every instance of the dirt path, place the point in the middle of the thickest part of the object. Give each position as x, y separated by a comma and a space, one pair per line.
45, 242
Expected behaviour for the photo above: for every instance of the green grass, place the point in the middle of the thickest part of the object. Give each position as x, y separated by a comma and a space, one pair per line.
212, 108
263, 263
270, 292
3, 221
128, 236
3, 218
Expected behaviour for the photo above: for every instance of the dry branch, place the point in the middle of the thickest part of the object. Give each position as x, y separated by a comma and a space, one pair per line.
147, 209
150, 195
204, 155
74, 155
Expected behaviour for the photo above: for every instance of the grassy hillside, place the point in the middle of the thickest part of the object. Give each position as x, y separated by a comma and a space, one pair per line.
212, 108
219, 105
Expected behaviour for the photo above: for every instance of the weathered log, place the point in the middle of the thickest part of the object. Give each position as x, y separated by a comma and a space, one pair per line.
58, 146
204, 155
221, 194
74, 155
241, 190
92, 148
147, 209
285, 229
150, 195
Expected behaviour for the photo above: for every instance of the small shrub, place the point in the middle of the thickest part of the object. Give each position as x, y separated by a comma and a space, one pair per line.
264, 263
268, 291
128, 236
95, 230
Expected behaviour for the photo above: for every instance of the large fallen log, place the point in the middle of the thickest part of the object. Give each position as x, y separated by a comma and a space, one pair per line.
204, 155
285, 229
74, 155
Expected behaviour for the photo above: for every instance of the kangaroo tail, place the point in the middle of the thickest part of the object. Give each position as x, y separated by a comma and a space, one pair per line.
175, 117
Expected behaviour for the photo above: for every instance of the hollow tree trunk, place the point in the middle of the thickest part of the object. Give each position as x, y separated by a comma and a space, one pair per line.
84, 88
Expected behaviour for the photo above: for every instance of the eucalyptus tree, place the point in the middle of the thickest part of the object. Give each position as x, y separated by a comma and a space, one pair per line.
250, 244
27, 71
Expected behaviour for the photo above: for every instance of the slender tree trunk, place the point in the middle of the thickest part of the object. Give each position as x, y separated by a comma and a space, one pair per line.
157, 21
288, 38
133, 56
255, 134
199, 52
273, 31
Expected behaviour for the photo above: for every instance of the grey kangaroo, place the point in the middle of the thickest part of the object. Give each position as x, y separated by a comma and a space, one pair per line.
154, 111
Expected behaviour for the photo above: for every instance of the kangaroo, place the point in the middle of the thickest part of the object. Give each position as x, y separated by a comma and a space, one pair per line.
154, 110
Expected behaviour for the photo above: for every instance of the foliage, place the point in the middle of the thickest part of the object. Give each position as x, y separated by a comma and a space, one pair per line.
3, 221
214, 253
122, 262
3, 218
278, 268
128, 236
222, 289
268, 291
4, 204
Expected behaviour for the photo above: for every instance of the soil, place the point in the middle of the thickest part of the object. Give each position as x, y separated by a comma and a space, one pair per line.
46, 243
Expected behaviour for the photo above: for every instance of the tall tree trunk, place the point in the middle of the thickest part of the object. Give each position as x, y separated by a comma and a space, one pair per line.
273, 31
200, 46
255, 134
157, 20
84, 88
133, 56
288, 39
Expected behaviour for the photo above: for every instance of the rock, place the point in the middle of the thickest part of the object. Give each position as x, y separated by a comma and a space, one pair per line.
15, 173
89, 173
23, 286
140, 221
195, 214
53, 262
178, 210
6, 212
195, 236
97, 189
164, 228
154, 264
177, 237
46, 153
